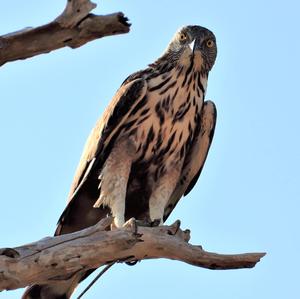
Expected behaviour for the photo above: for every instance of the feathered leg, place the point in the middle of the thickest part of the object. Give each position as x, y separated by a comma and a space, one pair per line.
114, 177
162, 193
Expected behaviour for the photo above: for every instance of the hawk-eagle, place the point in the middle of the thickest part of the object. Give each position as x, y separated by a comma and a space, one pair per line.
148, 148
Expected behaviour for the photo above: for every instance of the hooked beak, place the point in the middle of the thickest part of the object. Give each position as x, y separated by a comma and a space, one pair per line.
192, 45
196, 44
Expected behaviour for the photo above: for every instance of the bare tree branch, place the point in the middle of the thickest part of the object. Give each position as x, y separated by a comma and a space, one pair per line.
73, 28
58, 258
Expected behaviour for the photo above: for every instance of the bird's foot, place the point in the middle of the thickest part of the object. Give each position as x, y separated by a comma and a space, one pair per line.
174, 228
155, 222
132, 225
148, 223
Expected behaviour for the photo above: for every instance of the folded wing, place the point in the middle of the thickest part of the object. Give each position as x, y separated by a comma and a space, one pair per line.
196, 157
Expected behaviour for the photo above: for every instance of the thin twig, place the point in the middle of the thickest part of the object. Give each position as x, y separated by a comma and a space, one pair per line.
95, 279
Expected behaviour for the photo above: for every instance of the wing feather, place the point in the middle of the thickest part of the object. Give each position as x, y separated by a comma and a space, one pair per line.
104, 131
195, 159
96, 150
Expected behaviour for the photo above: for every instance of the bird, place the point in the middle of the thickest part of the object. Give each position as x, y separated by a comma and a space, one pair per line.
147, 150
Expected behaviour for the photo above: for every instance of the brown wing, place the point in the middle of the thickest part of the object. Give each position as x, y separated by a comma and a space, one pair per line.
79, 212
196, 157
84, 192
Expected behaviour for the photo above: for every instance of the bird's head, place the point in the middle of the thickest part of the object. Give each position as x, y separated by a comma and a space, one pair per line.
194, 43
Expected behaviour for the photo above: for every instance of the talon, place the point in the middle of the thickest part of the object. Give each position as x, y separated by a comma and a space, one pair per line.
174, 227
132, 225
155, 222
143, 223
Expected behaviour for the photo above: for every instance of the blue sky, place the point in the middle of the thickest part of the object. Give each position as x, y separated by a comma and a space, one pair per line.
247, 198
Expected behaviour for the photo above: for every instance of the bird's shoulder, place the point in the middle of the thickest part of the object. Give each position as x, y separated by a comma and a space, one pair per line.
141, 74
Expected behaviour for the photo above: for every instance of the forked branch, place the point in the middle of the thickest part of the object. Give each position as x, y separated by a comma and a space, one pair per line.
56, 258
73, 28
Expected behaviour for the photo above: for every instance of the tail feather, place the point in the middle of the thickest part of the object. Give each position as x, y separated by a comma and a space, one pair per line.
45, 292
78, 214
59, 290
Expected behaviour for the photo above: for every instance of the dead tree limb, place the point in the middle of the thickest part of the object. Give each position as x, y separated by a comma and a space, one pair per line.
73, 28
56, 258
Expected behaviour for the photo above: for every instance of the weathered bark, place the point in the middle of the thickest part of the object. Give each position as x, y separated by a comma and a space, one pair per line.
55, 258
73, 28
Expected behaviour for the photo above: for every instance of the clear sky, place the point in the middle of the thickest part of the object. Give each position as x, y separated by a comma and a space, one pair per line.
247, 198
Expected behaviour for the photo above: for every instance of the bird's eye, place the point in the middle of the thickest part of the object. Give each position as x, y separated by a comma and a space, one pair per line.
182, 37
210, 43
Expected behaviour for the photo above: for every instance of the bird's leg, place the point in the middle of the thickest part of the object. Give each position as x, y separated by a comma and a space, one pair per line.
161, 194
114, 177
